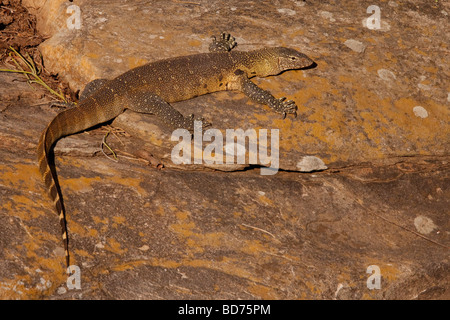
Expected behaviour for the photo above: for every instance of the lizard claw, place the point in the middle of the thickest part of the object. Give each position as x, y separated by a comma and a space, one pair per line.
225, 43
62, 104
286, 106
205, 123
189, 122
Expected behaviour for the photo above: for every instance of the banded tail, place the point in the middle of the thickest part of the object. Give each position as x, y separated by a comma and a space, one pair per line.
73, 120
49, 136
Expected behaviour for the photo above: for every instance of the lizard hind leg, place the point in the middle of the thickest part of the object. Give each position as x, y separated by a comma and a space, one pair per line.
91, 87
147, 102
88, 90
225, 43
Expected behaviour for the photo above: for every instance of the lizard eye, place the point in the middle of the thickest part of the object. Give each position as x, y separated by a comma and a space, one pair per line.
293, 58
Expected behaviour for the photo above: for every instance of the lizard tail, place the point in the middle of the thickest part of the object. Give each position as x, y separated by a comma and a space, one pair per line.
48, 138
70, 121
65, 123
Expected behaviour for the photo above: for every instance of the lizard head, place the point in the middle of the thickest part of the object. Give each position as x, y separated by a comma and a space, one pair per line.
275, 60
289, 59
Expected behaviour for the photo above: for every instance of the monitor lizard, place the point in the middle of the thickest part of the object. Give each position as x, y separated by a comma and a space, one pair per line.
151, 87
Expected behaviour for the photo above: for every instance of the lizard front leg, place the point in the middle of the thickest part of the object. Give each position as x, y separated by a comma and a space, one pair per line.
225, 43
256, 94
147, 102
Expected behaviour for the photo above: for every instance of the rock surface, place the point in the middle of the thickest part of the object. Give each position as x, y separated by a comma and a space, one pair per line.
374, 110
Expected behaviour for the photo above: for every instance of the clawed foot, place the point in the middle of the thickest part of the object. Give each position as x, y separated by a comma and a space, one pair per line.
225, 43
62, 104
189, 123
287, 107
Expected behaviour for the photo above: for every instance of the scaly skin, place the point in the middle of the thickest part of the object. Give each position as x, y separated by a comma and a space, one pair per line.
151, 87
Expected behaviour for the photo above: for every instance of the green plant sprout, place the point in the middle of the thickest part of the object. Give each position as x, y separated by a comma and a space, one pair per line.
109, 148
32, 74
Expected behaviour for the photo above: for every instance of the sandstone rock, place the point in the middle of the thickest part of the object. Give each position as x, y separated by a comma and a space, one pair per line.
192, 232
